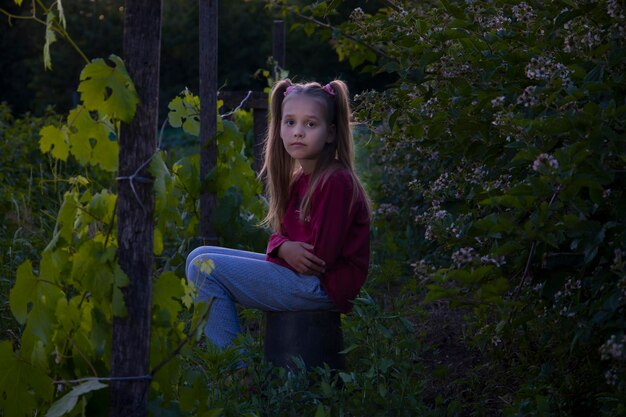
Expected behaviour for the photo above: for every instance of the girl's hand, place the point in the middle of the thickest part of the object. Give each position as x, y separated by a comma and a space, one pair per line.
301, 258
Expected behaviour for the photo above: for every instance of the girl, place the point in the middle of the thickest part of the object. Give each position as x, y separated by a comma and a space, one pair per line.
318, 256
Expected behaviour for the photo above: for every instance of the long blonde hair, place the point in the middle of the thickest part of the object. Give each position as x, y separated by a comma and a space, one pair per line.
281, 169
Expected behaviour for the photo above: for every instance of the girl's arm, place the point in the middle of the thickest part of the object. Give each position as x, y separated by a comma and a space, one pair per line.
301, 258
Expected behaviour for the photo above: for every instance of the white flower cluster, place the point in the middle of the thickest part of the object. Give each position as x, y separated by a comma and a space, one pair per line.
498, 101
523, 13
571, 286
463, 256
477, 175
544, 68
545, 160
502, 183
614, 348
611, 377
528, 98
357, 15
449, 68
428, 108
614, 9
499, 119
497, 22
579, 32
454, 230
441, 183
386, 209
499, 261
428, 233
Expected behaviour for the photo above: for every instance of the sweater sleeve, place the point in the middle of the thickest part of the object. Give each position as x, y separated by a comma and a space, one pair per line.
276, 239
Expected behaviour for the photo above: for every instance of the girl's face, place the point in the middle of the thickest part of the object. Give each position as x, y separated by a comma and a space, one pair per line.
304, 130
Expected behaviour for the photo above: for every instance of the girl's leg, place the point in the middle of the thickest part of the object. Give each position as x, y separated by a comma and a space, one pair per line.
224, 251
253, 283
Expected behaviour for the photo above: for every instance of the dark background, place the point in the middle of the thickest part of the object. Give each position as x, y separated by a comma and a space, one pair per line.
245, 44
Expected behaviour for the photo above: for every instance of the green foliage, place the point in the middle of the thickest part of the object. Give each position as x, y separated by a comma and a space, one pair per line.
66, 301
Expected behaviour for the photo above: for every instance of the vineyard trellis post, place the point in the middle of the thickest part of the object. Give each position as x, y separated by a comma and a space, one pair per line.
130, 351
208, 114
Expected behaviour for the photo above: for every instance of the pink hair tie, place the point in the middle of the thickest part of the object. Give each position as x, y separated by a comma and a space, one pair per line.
329, 89
289, 90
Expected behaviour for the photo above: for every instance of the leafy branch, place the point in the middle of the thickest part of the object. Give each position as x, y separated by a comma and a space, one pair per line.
53, 25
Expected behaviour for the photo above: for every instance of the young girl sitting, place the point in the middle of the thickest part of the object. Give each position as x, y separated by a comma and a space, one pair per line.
318, 256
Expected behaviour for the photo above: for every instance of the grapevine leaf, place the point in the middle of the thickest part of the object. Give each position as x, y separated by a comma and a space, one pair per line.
22, 385
108, 88
55, 141
24, 292
83, 128
64, 227
50, 39
48, 267
102, 205
185, 112
38, 357
67, 403
105, 154
166, 294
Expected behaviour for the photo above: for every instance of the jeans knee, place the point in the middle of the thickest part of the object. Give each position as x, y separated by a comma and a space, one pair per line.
193, 255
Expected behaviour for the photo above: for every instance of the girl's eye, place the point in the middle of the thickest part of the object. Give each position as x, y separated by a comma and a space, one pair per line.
289, 122
311, 124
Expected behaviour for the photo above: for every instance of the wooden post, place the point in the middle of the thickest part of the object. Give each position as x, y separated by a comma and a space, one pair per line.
279, 51
208, 113
130, 352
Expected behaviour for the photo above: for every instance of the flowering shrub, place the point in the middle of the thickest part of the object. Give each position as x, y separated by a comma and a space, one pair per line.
501, 154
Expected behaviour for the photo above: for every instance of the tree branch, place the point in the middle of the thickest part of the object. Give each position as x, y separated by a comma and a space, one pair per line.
345, 35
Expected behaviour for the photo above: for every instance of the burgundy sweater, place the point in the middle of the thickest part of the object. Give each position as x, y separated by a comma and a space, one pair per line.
340, 235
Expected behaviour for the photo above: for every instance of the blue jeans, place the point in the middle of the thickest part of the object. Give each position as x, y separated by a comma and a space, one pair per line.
248, 279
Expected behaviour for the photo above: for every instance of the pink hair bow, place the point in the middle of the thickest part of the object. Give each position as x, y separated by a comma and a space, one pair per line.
329, 89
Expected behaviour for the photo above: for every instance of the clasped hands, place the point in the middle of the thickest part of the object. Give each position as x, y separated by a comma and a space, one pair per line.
301, 258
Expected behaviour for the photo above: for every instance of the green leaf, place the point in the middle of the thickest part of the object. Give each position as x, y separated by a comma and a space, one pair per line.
50, 39
83, 128
108, 88
24, 292
55, 141
23, 387
67, 403
166, 294
105, 154
64, 227
185, 112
